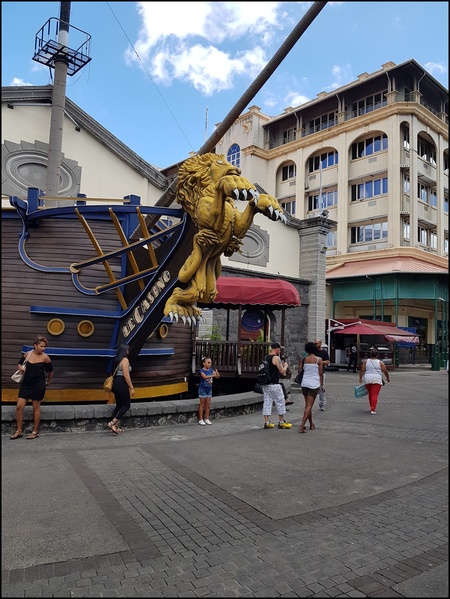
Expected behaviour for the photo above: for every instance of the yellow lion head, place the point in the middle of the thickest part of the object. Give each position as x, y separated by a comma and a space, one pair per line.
197, 177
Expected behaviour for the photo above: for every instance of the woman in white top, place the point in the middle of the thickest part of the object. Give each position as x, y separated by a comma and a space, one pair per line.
311, 382
371, 371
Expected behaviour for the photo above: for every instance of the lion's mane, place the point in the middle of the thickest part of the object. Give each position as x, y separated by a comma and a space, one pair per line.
194, 181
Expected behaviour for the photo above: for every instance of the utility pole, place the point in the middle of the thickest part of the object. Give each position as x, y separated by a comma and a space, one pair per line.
58, 105
52, 50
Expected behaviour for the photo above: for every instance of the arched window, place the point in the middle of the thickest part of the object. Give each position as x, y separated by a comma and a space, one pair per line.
234, 155
371, 145
323, 161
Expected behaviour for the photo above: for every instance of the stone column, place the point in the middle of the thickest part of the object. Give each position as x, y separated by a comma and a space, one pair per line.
312, 265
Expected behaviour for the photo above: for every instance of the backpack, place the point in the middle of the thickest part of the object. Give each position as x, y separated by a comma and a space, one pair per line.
263, 376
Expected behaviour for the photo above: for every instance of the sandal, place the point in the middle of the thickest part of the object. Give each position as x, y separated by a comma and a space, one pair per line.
113, 427
32, 435
312, 427
16, 435
302, 429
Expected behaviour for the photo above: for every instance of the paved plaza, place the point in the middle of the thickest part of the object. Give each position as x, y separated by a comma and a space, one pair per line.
356, 508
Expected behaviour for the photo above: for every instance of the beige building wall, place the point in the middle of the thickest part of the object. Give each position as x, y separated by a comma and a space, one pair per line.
104, 174
276, 245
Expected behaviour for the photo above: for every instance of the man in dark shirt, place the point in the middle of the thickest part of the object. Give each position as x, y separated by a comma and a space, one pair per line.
352, 357
322, 353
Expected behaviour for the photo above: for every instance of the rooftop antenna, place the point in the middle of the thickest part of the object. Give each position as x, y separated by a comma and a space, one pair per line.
52, 49
206, 123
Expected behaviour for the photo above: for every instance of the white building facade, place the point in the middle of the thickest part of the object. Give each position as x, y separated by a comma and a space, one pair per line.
371, 156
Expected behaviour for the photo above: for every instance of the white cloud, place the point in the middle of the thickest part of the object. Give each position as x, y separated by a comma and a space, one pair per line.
341, 76
296, 98
398, 23
207, 68
435, 67
16, 81
207, 44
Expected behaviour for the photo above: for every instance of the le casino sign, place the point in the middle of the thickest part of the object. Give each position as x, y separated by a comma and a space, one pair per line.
140, 312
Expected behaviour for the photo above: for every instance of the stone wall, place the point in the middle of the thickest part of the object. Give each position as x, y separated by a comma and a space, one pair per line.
82, 418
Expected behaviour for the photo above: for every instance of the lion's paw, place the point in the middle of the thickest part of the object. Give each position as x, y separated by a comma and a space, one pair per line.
234, 245
269, 206
187, 314
238, 188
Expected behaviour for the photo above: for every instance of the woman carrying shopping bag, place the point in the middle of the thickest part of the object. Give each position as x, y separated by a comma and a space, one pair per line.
371, 372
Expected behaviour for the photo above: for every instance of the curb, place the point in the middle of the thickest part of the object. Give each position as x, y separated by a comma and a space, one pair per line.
81, 418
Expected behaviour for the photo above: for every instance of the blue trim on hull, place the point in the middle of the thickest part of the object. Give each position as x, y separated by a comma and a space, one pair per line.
99, 353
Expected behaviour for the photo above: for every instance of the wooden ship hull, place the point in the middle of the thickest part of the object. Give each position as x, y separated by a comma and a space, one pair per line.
70, 274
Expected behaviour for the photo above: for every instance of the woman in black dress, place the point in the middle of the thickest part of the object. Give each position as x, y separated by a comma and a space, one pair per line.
122, 387
38, 376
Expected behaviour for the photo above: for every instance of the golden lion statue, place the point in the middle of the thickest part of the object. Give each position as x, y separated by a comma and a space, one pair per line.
207, 186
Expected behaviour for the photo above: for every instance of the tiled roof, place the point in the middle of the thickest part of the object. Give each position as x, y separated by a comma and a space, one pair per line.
384, 266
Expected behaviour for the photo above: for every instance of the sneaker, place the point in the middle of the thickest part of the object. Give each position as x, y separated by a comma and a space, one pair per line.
202, 422
372, 412
269, 425
284, 424
207, 421
322, 409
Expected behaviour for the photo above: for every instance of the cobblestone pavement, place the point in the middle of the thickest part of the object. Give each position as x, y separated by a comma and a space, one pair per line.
356, 508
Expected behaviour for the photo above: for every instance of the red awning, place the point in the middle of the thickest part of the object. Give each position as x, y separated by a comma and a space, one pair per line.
243, 291
371, 328
403, 338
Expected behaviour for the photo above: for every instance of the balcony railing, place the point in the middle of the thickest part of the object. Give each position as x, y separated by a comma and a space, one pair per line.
229, 358
276, 141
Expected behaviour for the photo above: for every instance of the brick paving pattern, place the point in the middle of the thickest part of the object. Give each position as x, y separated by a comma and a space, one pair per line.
189, 536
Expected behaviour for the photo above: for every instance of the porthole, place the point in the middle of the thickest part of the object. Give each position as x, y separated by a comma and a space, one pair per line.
55, 327
163, 331
85, 328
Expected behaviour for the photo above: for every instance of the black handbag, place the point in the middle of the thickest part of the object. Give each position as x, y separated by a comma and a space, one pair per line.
298, 379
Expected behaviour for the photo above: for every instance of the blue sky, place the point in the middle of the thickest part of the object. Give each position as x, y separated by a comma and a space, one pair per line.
163, 74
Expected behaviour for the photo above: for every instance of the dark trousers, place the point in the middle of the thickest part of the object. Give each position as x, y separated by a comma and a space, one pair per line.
122, 397
353, 359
